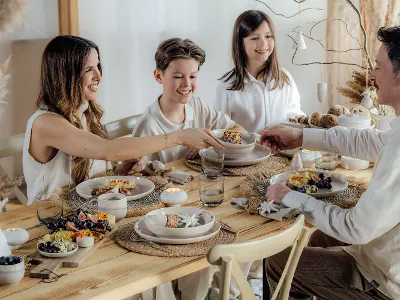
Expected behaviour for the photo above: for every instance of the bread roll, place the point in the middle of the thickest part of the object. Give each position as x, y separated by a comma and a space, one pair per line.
328, 121
315, 118
338, 110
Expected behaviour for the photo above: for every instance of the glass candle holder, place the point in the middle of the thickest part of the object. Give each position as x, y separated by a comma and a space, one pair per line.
327, 161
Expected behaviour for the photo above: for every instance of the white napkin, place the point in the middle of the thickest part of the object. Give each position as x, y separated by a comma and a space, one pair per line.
156, 167
267, 209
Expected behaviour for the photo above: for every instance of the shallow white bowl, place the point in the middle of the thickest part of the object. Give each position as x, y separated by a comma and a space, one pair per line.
12, 274
354, 163
235, 151
117, 208
155, 220
58, 255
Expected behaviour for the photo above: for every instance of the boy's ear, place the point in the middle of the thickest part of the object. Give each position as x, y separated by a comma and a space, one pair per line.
158, 76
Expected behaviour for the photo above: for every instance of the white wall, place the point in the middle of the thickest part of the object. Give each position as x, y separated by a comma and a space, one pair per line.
129, 31
26, 44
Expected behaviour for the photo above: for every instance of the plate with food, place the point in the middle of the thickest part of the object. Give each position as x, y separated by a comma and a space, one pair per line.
57, 249
236, 144
313, 183
133, 187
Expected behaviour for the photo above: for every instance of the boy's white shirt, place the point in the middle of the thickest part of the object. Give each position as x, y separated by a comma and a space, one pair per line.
257, 105
373, 225
197, 115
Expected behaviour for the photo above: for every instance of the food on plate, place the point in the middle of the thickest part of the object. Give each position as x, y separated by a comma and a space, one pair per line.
315, 118
232, 137
338, 110
58, 246
308, 182
125, 187
80, 224
328, 121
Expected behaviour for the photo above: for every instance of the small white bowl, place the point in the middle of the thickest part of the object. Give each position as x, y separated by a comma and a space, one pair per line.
114, 204
156, 219
235, 151
354, 163
12, 274
85, 241
59, 254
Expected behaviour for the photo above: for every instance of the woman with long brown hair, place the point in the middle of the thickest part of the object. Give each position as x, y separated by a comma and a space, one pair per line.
257, 92
65, 139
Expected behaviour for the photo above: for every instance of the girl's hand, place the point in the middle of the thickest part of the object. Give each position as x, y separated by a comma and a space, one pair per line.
131, 166
192, 154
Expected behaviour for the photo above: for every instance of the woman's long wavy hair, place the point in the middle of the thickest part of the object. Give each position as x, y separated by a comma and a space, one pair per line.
62, 91
245, 24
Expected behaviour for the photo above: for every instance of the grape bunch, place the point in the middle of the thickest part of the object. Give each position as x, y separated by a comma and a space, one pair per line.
48, 247
10, 260
324, 183
103, 224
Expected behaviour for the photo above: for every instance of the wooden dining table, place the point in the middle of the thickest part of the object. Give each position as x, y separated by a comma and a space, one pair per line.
113, 272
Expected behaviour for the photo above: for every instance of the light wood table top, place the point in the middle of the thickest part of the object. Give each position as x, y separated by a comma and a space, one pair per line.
113, 272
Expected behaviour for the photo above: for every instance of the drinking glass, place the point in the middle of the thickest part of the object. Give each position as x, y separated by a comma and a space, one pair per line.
211, 190
212, 162
327, 161
49, 208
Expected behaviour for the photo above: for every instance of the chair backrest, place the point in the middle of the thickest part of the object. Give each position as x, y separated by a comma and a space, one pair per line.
122, 127
228, 257
12, 145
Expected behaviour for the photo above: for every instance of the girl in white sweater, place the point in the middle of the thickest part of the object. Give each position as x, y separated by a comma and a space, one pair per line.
257, 92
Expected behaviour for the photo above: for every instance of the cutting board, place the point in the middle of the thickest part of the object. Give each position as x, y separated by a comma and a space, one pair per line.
47, 265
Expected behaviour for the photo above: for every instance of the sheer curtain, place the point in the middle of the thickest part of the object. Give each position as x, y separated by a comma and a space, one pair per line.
374, 15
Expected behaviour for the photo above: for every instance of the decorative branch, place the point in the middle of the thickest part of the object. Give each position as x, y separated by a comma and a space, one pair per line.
365, 48
288, 17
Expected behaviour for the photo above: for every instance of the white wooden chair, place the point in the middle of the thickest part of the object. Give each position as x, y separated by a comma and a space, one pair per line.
228, 257
9, 147
122, 127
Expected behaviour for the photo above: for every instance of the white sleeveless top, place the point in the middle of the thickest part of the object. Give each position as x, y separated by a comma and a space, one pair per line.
45, 177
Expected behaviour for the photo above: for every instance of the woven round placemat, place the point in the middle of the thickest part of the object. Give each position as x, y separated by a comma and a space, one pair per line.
274, 162
138, 207
256, 186
125, 235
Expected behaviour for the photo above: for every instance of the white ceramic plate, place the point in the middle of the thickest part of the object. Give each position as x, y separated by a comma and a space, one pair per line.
258, 155
144, 186
144, 232
155, 218
247, 140
58, 255
339, 183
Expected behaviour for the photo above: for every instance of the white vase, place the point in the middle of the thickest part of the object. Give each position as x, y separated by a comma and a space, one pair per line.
322, 88
4, 249
383, 122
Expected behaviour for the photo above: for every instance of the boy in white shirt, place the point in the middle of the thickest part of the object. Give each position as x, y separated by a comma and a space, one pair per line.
177, 65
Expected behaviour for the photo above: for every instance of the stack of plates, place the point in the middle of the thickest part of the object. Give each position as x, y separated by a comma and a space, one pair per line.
152, 226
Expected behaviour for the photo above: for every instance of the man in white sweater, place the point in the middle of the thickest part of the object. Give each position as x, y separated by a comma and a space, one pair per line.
367, 263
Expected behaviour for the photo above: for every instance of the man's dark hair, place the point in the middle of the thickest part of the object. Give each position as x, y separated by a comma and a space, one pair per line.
390, 37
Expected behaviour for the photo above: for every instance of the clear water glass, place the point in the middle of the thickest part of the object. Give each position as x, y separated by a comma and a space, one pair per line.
211, 190
327, 161
212, 162
49, 208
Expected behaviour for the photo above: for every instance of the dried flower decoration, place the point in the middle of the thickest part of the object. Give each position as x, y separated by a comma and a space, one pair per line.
8, 184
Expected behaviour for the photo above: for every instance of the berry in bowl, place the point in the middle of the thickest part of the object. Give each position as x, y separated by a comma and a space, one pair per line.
12, 270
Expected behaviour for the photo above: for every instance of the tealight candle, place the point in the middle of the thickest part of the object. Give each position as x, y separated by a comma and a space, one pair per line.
16, 237
173, 196
308, 158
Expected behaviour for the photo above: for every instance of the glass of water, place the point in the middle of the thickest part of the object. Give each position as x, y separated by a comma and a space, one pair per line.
49, 208
212, 162
211, 190
326, 161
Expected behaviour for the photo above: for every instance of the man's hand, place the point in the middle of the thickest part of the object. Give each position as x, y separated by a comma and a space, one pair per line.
276, 192
131, 166
281, 137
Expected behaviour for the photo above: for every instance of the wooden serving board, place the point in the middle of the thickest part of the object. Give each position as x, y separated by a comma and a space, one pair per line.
46, 265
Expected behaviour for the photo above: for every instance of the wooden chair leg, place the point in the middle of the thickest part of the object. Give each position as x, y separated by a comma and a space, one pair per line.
266, 290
